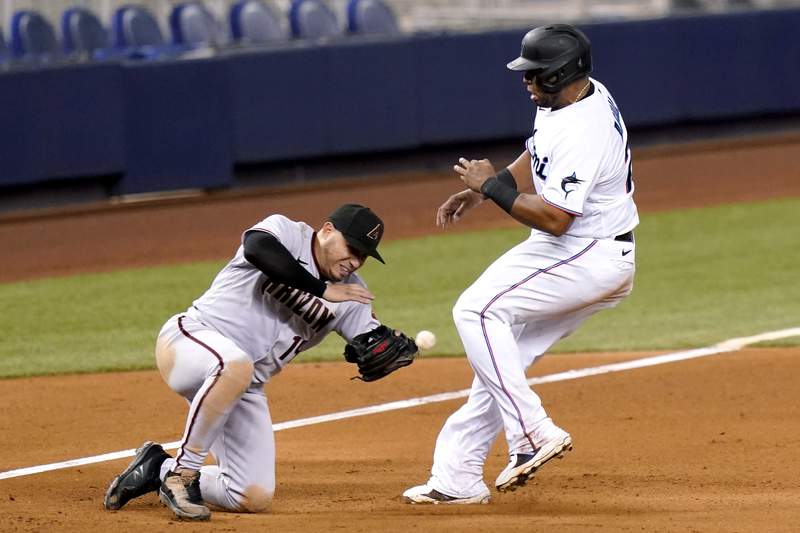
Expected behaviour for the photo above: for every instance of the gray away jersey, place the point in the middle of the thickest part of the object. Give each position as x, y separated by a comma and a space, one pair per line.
271, 321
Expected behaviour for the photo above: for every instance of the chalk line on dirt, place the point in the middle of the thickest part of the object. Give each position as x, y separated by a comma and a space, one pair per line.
729, 345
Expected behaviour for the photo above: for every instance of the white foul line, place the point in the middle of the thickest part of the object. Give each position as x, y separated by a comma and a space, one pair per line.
729, 345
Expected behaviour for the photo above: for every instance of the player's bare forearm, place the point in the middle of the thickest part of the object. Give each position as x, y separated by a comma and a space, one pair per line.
527, 208
521, 170
531, 210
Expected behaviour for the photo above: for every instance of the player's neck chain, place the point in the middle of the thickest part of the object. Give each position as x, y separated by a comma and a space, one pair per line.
580, 94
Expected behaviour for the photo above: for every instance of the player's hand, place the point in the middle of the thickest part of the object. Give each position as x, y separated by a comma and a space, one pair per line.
347, 292
455, 207
475, 172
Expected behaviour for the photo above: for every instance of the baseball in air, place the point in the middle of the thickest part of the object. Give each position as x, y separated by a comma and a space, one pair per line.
425, 340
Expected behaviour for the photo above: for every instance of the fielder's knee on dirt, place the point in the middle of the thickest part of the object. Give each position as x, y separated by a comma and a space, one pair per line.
255, 499
233, 492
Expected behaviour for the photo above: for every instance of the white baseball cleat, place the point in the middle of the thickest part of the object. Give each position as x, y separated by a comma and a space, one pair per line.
425, 494
522, 466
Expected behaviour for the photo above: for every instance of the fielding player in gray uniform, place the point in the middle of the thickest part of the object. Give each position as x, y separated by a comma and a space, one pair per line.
286, 288
578, 259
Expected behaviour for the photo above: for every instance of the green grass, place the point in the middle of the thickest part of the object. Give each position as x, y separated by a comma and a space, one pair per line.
703, 275
706, 275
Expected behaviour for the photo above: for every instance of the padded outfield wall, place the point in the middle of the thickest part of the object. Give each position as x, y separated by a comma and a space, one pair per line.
180, 124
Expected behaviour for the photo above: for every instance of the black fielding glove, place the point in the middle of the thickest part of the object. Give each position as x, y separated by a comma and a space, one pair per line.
380, 352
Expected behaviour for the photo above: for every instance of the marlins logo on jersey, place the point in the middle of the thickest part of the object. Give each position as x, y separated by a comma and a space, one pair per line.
569, 184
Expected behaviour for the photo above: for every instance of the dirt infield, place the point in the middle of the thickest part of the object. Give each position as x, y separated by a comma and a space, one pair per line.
702, 445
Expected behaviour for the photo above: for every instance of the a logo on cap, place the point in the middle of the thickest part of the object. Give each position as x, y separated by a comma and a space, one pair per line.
375, 233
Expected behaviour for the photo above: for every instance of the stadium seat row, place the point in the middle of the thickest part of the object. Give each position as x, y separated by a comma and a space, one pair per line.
135, 33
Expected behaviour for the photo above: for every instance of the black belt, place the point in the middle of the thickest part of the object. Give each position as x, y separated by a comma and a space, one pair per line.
625, 237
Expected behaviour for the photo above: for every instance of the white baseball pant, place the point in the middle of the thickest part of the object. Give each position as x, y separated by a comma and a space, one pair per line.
533, 295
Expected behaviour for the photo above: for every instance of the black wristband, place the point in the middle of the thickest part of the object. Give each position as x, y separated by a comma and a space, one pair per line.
499, 193
507, 178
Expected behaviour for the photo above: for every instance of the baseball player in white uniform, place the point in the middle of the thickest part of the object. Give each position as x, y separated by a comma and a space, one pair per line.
285, 289
578, 259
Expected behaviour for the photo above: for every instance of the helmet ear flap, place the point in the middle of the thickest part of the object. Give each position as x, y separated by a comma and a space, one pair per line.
566, 73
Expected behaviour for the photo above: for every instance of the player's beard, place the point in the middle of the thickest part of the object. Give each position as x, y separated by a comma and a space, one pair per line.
541, 98
545, 99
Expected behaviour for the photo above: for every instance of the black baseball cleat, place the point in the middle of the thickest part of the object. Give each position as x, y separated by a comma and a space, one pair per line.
180, 491
141, 476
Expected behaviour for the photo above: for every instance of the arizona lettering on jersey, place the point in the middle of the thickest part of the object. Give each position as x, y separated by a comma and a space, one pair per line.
270, 321
581, 161
307, 306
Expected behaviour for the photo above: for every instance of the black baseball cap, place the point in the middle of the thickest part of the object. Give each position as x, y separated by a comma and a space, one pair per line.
362, 229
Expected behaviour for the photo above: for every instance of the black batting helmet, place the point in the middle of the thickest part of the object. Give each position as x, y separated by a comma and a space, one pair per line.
556, 54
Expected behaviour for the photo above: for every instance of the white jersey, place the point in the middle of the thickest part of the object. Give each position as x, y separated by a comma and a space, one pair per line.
270, 321
581, 163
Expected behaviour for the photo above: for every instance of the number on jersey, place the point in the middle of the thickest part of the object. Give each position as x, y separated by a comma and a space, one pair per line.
618, 127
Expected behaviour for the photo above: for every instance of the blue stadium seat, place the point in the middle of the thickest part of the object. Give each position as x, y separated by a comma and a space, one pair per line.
370, 16
136, 35
253, 22
135, 26
33, 37
192, 24
82, 33
311, 19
